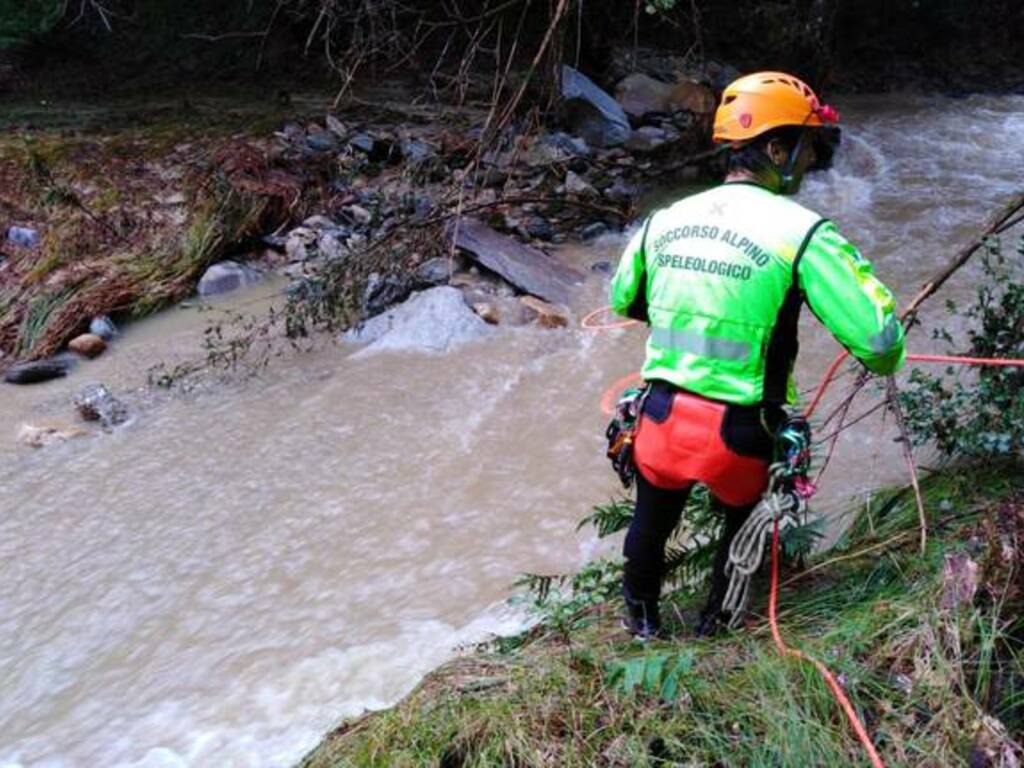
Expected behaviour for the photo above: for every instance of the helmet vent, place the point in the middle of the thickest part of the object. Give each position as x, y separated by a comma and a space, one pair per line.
729, 99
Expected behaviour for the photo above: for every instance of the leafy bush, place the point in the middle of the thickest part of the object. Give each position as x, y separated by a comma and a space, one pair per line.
978, 412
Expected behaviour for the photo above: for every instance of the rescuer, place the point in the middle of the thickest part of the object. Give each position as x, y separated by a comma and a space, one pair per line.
720, 278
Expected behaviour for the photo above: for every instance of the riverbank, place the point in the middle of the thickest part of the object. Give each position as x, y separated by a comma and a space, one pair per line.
926, 646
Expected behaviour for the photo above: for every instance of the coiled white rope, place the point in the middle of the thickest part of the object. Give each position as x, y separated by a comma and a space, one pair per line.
747, 548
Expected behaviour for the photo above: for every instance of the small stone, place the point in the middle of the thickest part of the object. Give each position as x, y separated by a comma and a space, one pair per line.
646, 139
547, 315
417, 152
332, 246
322, 141
26, 237
575, 185
363, 142
300, 244
88, 345
318, 222
593, 230
335, 126
359, 214
601, 267
487, 312
436, 271
103, 327
95, 403
40, 436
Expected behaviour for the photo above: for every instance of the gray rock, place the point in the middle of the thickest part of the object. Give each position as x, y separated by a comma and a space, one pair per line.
301, 244
318, 222
103, 327
417, 152
382, 292
26, 237
226, 276
575, 185
593, 230
40, 370
331, 245
363, 142
646, 139
335, 126
432, 321
591, 112
620, 191
436, 271
323, 141
95, 403
571, 145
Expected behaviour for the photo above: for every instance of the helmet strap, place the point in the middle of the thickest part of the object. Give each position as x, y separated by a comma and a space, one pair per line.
787, 182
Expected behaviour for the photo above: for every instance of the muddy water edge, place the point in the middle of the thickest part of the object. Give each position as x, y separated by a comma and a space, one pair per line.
225, 578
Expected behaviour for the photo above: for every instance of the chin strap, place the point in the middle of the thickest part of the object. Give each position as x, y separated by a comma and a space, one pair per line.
787, 182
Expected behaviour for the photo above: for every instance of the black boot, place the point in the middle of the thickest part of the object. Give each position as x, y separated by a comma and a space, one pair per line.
642, 619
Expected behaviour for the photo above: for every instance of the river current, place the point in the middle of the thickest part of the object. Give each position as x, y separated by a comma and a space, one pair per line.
223, 579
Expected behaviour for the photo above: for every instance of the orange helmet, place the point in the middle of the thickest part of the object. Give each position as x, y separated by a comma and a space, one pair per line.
764, 100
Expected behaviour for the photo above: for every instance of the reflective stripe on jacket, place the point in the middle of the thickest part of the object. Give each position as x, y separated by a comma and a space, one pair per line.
721, 277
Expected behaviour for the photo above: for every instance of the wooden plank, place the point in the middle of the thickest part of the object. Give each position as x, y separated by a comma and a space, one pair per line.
527, 268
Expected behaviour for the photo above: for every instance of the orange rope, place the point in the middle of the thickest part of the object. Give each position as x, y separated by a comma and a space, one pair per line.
588, 324
830, 680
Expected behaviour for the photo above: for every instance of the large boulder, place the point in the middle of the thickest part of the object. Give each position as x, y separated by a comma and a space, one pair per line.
641, 94
226, 276
591, 112
432, 321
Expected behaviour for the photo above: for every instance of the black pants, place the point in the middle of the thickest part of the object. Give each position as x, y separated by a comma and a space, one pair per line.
655, 516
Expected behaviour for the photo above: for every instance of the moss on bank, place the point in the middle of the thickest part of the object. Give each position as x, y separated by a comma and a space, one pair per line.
929, 648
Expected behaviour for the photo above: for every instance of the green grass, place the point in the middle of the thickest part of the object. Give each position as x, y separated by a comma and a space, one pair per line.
930, 682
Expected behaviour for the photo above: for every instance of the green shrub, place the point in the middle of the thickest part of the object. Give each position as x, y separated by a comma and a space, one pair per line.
978, 412
24, 21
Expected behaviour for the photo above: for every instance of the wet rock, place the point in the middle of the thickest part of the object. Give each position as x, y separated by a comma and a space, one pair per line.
575, 185
323, 141
103, 327
529, 269
592, 113
691, 97
364, 143
41, 436
95, 403
40, 370
593, 230
277, 242
331, 246
301, 244
540, 228
226, 276
335, 126
570, 145
433, 321
318, 222
640, 95
417, 152
646, 139
358, 214
26, 237
620, 191
382, 292
544, 314
487, 312
88, 345
436, 271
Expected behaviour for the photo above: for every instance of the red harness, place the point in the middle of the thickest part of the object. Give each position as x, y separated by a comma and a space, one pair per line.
687, 448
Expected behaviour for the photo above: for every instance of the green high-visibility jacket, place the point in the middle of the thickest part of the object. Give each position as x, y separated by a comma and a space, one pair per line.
721, 276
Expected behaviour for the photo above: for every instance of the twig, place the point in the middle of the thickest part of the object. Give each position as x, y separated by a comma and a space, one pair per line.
908, 454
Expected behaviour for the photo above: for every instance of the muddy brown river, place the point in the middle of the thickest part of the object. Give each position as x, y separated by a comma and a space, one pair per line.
225, 578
